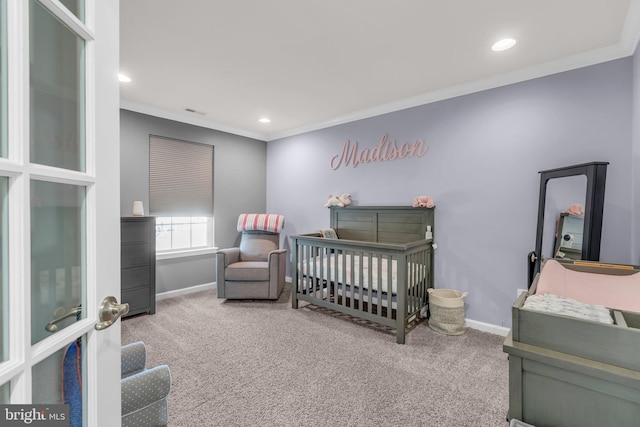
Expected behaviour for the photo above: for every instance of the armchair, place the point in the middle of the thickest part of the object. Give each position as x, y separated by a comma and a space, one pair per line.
144, 391
255, 269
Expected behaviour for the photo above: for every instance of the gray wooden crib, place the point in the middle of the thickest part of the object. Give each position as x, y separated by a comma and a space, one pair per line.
379, 268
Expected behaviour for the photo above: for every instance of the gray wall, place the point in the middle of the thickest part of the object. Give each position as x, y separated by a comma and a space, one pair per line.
635, 231
239, 186
485, 152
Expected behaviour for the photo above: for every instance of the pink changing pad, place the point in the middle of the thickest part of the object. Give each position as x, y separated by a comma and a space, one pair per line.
619, 292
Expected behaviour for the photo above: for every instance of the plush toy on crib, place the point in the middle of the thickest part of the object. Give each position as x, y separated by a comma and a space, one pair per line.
341, 200
423, 202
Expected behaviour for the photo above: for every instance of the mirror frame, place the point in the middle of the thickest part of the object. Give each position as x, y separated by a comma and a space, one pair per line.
596, 173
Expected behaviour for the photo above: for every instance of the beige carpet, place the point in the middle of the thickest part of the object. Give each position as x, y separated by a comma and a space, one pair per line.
262, 363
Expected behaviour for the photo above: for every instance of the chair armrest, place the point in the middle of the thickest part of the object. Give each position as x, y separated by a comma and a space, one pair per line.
276, 256
230, 255
277, 268
134, 358
277, 252
144, 388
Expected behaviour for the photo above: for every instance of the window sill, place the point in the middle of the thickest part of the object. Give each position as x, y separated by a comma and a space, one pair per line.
185, 253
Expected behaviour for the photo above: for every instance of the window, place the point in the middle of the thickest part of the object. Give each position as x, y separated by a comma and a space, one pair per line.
181, 193
182, 232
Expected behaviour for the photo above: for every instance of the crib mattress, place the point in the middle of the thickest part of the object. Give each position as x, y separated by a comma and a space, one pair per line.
370, 273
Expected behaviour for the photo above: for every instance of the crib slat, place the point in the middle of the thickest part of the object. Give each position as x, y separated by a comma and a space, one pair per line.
354, 288
337, 275
371, 285
423, 279
417, 283
350, 277
310, 268
409, 277
390, 286
311, 262
294, 274
324, 261
414, 283
401, 299
302, 272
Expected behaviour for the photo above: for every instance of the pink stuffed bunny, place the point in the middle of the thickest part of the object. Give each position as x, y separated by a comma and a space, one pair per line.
342, 200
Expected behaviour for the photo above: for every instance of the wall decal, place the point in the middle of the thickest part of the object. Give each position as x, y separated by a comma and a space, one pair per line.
385, 150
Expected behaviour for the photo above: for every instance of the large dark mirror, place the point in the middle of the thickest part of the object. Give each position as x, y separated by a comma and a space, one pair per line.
570, 208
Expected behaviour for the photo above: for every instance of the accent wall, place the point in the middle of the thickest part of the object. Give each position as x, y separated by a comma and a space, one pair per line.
479, 162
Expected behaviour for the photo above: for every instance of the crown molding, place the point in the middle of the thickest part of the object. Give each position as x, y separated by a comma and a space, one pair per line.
623, 49
183, 118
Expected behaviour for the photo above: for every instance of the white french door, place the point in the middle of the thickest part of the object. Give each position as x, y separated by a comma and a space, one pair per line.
59, 206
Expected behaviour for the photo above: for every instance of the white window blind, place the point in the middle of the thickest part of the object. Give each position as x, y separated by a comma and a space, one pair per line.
180, 178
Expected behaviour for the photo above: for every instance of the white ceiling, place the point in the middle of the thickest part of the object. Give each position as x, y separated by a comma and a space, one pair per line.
308, 64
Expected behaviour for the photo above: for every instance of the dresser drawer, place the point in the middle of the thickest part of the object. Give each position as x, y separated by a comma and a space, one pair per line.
134, 254
138, 300
135, 277
136, 231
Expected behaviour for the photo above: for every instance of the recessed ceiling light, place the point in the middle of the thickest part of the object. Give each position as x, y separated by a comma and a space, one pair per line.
503, 44
123, 78
264, 120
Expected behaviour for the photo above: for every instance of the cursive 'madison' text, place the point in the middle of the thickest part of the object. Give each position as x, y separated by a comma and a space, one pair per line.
385, 150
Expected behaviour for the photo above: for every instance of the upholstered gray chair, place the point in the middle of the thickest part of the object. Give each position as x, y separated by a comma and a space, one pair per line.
144, 391
255, 269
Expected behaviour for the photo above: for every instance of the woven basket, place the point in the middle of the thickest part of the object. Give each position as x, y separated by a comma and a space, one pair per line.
447, 311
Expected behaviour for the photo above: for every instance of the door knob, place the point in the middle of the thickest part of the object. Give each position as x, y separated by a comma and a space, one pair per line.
110, 311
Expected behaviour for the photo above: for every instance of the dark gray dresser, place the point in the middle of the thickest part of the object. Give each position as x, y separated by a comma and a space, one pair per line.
138, 263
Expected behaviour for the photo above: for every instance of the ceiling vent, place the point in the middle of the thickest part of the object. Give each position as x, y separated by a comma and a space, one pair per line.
191, 110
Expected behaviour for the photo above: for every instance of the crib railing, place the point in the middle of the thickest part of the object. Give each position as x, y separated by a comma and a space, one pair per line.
380, 282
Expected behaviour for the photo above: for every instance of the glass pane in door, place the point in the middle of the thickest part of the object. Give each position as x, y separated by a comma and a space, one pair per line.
5, 389
58, 379
76, 7
4, 273
58, 260
3, 78
57, 125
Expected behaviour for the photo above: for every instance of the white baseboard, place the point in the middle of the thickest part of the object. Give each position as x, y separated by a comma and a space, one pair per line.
185, 291
487, 327
473, 324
